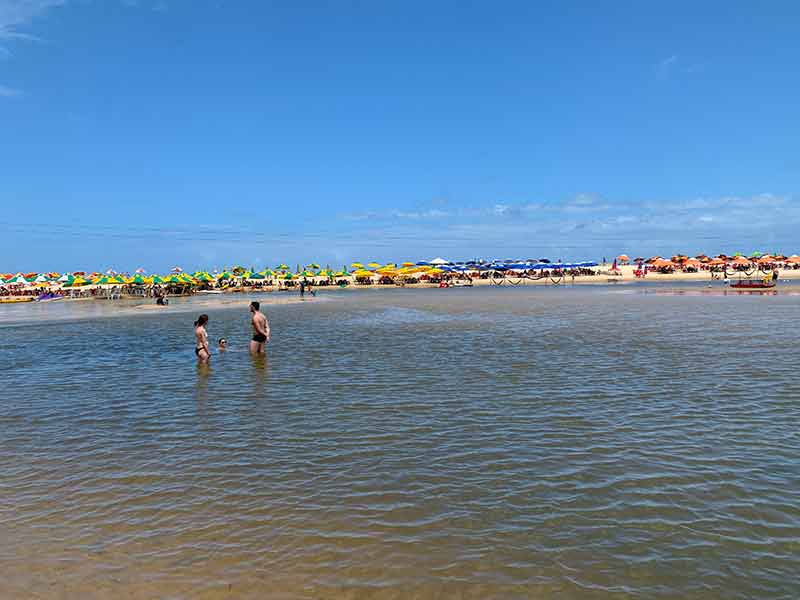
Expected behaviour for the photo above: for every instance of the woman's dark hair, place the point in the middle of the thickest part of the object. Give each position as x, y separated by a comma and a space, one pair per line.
201, 320
222, 341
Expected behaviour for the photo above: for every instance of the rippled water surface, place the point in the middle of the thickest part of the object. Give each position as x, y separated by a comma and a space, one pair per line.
469, 443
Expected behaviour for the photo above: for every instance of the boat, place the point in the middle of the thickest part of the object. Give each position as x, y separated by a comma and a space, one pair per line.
15, 299
49, 297
752, 284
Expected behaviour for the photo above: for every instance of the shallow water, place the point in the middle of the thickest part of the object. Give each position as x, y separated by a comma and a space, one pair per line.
594, 442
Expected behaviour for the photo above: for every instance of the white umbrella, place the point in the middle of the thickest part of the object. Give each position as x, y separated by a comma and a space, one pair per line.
439, 261
64, 277
41, 279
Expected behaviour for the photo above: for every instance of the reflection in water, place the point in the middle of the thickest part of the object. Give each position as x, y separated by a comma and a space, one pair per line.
521, 442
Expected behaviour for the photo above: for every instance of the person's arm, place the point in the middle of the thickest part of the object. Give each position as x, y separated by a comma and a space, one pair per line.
266, 328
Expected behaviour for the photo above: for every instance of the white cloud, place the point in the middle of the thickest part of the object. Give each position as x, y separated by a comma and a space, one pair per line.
664, 66
7, 92
15, 14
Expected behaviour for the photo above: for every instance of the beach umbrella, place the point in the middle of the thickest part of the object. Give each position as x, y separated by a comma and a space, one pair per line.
138, 279
42, 278
288, 276
157, 279
256, 276
282, 267
407, 264
307, 274
373, 265
357, 265
18, 279
177, 270
312, 266
225, 276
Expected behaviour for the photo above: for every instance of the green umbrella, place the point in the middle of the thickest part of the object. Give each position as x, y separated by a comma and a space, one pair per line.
308, 274
256, 276
312, 266
288, 276
225, 276
158, 279
138, 280
282, 267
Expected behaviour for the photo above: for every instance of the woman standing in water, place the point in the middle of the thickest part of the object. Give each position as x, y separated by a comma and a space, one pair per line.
201, 339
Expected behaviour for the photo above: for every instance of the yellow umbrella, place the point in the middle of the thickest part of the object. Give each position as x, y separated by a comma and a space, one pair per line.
357, 265
373, 265
363, 273
408, 264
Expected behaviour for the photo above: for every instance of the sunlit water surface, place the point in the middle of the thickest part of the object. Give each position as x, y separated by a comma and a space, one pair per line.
472, 443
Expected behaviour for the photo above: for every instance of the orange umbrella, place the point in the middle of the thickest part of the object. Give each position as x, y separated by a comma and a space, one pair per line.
716, 262
741, 260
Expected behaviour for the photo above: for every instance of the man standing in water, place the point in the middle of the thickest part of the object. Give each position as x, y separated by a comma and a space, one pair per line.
260, 329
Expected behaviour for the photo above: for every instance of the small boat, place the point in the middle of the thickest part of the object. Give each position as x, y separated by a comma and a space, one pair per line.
752, 284
49, 297
15, 299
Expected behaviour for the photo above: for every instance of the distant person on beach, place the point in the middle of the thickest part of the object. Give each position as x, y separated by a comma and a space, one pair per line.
775, 275
201, 339
260, 329
302, 288
222, 344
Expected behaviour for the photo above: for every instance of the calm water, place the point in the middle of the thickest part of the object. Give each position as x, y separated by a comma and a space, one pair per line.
485, 443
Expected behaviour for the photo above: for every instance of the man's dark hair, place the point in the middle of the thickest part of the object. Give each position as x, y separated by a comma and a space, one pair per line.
256, 305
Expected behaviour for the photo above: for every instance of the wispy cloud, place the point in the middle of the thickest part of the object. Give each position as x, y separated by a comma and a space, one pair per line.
8, 92
665, 66
588, 223
16, 14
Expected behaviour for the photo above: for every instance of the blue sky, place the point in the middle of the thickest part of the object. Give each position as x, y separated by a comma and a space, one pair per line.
206, 133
